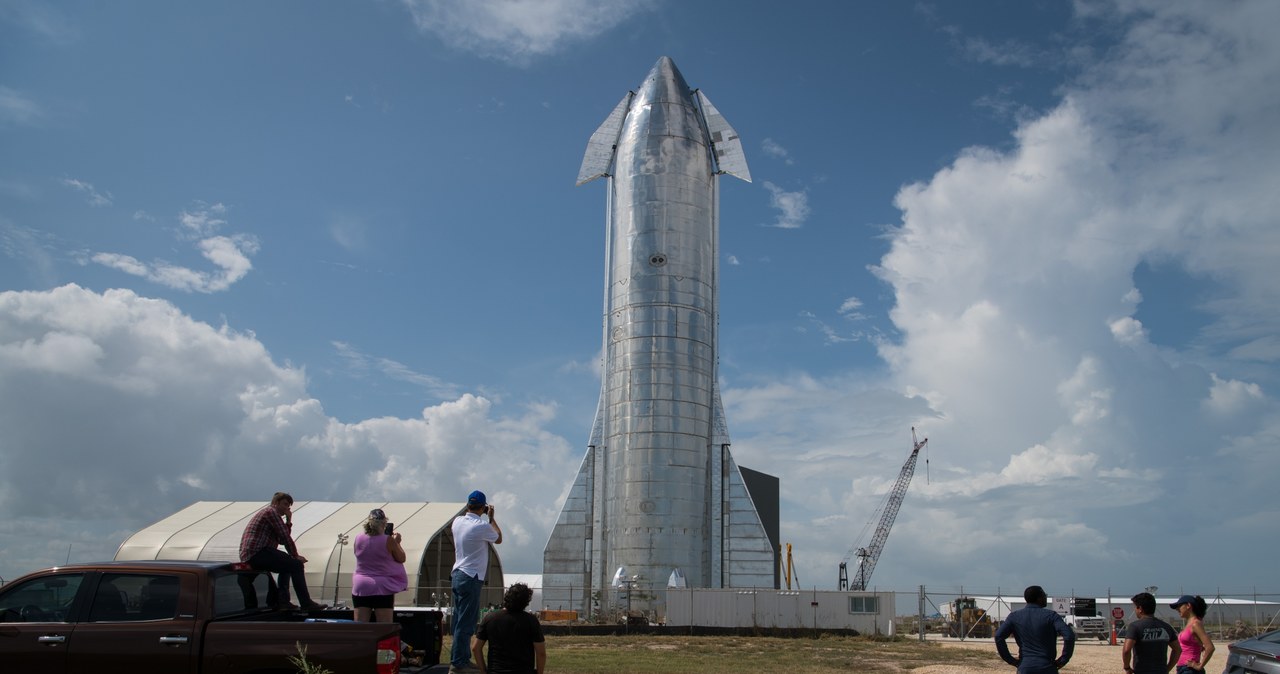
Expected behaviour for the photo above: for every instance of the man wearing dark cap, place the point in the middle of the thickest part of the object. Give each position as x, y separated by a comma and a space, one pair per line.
471, 538
1036, 630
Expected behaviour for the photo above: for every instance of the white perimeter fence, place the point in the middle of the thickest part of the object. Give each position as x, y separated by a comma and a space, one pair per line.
966, 613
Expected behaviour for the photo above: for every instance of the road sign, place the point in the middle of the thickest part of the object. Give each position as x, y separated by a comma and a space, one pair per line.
1117, 613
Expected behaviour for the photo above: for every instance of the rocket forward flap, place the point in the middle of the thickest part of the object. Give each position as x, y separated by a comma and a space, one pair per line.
728, 146
603, 143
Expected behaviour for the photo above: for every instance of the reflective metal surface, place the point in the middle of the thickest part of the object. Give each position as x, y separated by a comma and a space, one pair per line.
658, 490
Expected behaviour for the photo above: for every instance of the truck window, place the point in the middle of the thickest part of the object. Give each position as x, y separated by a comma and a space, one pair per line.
45, 599
133, 597
240, 591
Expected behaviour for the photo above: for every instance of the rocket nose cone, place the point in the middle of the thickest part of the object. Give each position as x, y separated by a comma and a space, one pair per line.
664, 83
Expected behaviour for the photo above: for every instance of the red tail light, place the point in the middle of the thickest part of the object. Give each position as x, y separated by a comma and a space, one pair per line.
389, 656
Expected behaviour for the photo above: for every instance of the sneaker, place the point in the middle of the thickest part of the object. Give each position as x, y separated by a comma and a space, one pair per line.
463, 669
286, 606
314, 606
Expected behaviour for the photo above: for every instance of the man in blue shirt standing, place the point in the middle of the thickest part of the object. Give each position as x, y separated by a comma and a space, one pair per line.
1035, 629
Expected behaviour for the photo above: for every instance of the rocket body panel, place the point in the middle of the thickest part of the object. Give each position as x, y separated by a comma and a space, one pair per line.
658, 491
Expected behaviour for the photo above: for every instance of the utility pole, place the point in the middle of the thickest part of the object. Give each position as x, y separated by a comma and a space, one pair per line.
337, 578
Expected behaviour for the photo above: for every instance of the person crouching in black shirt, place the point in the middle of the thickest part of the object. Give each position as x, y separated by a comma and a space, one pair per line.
516, 644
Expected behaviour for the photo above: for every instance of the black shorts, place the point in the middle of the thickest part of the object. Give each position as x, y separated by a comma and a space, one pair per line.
374, 601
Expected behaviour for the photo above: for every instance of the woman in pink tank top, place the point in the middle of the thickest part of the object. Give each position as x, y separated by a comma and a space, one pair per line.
1196, 645
379, 573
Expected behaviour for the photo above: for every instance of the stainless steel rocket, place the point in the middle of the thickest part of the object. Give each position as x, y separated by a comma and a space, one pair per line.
658, 496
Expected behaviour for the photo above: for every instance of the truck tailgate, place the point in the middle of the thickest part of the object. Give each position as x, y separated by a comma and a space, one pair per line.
233, 645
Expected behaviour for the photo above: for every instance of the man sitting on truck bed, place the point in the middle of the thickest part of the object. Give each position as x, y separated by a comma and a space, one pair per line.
267, 530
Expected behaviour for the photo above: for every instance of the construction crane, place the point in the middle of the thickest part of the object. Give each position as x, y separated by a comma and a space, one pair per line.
868, 556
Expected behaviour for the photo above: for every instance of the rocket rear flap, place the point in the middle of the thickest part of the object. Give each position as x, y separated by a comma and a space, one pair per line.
719, 427
597, 429
565, 566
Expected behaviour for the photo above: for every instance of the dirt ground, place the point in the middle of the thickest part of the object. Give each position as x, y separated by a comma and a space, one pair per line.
1090, 657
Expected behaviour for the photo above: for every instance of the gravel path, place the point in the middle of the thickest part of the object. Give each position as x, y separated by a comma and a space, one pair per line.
1090, 657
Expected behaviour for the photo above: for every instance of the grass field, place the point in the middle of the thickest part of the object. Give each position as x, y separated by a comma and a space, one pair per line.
642, 654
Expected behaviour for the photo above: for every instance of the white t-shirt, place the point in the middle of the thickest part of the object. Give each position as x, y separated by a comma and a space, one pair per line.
471, 538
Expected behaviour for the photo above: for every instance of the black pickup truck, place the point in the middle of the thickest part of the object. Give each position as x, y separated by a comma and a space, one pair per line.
174, 617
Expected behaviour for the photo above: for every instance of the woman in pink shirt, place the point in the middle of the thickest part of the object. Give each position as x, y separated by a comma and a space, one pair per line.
379, 573
1196, 645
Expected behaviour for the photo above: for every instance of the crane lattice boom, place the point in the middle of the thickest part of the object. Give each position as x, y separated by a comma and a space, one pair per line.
868, 556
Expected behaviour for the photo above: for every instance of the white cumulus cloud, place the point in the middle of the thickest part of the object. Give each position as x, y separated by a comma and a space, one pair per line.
95, 197
792, 207
18, 108
1228, 397
1013, 274
772, 148
517, 32
99, 390
229, 255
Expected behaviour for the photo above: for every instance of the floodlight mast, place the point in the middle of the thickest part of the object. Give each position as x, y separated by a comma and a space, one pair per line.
868, 556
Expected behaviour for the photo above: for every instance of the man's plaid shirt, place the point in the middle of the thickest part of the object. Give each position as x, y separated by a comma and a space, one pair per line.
266, 530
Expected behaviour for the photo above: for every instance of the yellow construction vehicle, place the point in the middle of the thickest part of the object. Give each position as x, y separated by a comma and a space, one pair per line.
969, 621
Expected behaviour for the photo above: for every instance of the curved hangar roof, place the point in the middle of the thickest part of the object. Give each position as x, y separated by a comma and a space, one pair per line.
211, 530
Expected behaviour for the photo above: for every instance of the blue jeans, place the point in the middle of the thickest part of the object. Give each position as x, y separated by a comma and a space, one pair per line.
466, 610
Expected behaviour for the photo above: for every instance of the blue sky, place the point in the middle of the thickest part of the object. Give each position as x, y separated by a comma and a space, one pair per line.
337, 249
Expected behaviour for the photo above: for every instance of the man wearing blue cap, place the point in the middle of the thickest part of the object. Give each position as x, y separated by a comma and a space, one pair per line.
471, 538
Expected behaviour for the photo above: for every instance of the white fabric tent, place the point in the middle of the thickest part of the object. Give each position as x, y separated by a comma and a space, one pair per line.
211, 530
